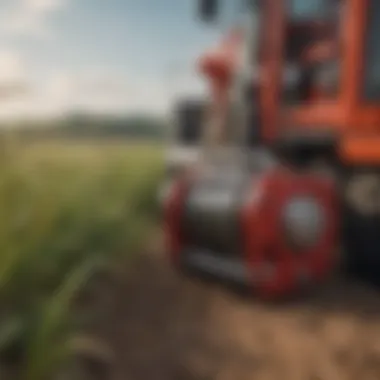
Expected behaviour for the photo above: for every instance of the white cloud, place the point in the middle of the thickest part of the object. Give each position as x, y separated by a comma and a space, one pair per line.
106, 90
95, 90
11, 67
30, 17
13, 75
101, 92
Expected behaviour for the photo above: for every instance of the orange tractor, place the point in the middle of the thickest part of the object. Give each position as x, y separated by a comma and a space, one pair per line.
289, 172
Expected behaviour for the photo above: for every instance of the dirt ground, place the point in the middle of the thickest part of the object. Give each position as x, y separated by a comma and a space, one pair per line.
161, 326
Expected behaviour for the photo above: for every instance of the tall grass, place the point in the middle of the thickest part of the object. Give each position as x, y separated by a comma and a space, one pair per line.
65, 212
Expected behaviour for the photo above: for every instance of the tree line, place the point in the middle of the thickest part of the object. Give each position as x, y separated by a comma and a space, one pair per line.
81, 125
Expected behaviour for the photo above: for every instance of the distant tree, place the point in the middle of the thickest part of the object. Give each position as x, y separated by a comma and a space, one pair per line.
79, 125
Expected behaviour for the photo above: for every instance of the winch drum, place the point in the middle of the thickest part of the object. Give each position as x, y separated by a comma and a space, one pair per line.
211, 219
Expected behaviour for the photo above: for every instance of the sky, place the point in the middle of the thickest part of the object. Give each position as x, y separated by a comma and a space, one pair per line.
113, 56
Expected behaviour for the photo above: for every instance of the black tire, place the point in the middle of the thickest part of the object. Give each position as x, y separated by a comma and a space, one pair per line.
361, 241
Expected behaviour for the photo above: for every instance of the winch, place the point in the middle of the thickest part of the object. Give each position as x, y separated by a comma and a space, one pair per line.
273, 231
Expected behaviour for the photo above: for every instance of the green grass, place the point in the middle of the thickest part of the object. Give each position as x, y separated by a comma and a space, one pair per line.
66, 211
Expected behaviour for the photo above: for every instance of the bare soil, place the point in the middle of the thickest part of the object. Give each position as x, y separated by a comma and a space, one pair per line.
163, 326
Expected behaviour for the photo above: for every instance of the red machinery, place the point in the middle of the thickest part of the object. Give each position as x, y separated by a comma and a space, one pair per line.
298, 84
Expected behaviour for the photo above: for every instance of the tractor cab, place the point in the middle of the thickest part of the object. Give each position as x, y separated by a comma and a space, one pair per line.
311, 76
284, 59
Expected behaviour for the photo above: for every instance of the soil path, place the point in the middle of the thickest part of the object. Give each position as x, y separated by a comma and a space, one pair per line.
162, 326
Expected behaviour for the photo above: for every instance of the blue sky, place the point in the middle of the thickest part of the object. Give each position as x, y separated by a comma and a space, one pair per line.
100, 55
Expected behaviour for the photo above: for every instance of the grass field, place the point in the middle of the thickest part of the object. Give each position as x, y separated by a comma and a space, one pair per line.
67, 210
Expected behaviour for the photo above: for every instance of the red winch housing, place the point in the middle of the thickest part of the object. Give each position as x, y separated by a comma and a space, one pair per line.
274, 265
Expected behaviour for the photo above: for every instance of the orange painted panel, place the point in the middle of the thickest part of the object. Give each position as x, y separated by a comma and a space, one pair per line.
365, 119
360, 149
325, 114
